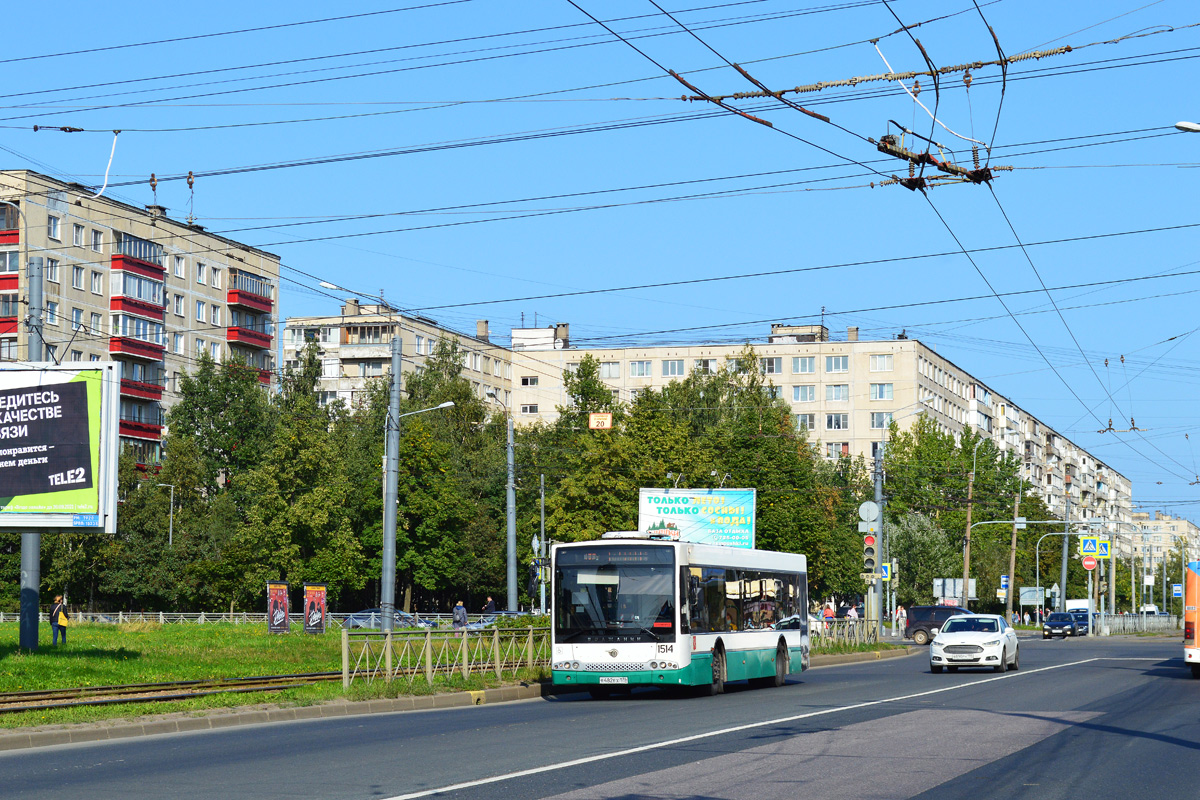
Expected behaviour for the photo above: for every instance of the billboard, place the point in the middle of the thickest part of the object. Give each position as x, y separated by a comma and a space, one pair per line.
59, 445
703, 516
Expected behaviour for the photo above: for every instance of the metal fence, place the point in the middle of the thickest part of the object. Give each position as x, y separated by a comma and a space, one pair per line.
334, 621
405, 655
844, 631
1141, 623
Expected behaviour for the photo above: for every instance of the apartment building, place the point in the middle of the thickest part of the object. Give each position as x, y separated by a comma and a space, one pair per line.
1153, 536
845, 393
355, 346
134, 286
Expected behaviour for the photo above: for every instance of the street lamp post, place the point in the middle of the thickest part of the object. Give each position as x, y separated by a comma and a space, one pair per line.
171, 517
966, 591
511, 503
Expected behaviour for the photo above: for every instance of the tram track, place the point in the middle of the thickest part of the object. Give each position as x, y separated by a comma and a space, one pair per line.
37, 700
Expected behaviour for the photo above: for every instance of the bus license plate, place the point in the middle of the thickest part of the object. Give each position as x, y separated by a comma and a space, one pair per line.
613, 679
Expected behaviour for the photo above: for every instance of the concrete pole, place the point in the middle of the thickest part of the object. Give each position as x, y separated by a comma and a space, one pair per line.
542, 549
1062, 583
1012, 558
966, 580
31, 543
391, 477
877, 592
512, 520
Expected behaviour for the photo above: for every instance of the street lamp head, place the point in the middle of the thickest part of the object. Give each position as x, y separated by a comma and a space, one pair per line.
1188, 127
334, 286
447, 404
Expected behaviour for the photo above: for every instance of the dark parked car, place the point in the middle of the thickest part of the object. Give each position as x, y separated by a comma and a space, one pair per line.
1083, 625
1060, 623
925, 621
372, 619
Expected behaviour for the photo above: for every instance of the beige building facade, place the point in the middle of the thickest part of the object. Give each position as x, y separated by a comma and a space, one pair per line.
132, 285
845, 392
1154, 535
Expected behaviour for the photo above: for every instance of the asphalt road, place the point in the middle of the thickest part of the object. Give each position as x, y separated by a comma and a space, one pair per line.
1089, 717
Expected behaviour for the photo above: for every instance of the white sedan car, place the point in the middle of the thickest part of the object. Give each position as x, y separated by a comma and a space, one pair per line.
974, 640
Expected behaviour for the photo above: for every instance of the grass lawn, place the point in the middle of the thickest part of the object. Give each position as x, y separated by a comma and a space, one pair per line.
146, 652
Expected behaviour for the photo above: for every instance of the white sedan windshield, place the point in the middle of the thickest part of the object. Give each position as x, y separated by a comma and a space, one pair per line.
962, 624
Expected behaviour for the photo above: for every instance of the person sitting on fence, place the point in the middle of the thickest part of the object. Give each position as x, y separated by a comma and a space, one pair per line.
460, 616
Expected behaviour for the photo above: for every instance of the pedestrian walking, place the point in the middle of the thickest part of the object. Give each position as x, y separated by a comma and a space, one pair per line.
460, 616
1025, 617
490, 606
58, 620
827, 615
901, 620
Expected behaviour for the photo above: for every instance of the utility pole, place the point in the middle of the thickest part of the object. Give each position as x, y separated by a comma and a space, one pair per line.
512, 519
391, 477
966, 584
542, 548
1062, 592
31, 543
878, 588
1012, 556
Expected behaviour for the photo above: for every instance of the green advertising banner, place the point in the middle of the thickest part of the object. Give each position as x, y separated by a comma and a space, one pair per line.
702, 516
50, 426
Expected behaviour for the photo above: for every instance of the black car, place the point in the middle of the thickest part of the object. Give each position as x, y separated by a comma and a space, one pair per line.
1060, 623
1083, 625
925, 621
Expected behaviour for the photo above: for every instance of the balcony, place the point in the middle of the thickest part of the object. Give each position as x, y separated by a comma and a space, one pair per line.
140, 250
9, 219
250, 337
140, 429
141, 390
264, 377
133, 305
249, 291
136, 348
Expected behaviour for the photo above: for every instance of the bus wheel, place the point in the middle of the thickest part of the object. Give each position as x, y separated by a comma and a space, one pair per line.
781, 665
718, 673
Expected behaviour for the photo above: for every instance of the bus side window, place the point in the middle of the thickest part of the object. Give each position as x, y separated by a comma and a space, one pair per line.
714, 596
685, 605
697, 609
733, 600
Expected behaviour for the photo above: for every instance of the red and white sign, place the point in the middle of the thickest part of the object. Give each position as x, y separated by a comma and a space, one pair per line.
1089, 562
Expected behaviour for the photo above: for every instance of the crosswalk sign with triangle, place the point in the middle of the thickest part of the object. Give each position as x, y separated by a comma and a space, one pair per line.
1102, 551
1089, 545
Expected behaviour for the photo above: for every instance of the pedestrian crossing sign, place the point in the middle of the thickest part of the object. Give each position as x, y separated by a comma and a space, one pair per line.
1102, 549
1089, 545
886, 574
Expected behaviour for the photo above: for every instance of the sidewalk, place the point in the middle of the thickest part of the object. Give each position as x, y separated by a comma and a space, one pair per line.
187, 721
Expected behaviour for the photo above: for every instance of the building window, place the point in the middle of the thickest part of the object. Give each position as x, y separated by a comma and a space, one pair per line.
372, 369
837, 422
97, 241
881, 419
52, 227
77, 235
639, 369
216, 278
177, 343
881, 363
51, 313
773, 392
420, 341
772, 366
837, 392
804, 394
216, 314
97, 282
529, 380
806, 421
10, 262
77, 355
76, 318
8, 349
94, 325
199, 347
200, 311
52, 353
837, 449
201, 271
837, 363
77, 277
496, 368
672, 367
51, 269
215, 350
803, 365
180, 267
708, 366
881, 391
179, 305
610, 369
529, 408
430, 344
93, 357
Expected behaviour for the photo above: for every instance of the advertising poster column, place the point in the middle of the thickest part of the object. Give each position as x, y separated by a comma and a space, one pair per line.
314, 608
277, 608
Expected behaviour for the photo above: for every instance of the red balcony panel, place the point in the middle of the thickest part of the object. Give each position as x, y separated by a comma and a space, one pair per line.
131, 305
8, 282
139, 267
249, 337
10, 237
8, 325
143, 391
136, 348
140, 430
238, 297
264, 376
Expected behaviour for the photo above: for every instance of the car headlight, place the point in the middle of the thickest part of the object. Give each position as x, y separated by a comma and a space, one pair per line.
992, 643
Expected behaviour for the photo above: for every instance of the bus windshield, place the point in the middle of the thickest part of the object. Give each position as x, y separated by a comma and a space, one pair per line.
618, 593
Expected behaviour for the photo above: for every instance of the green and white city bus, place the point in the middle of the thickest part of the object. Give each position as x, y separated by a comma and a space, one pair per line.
630, 611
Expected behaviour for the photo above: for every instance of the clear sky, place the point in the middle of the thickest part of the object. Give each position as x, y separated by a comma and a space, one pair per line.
516, 150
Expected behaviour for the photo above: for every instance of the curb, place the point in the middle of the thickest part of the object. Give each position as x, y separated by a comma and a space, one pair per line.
186, 722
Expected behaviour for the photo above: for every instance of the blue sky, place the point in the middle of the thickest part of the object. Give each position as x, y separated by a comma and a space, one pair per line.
479, 102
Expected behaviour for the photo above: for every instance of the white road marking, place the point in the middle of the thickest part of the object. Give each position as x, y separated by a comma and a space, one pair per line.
723, 731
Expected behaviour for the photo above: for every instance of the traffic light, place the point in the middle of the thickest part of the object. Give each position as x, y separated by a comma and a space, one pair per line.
869, 553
